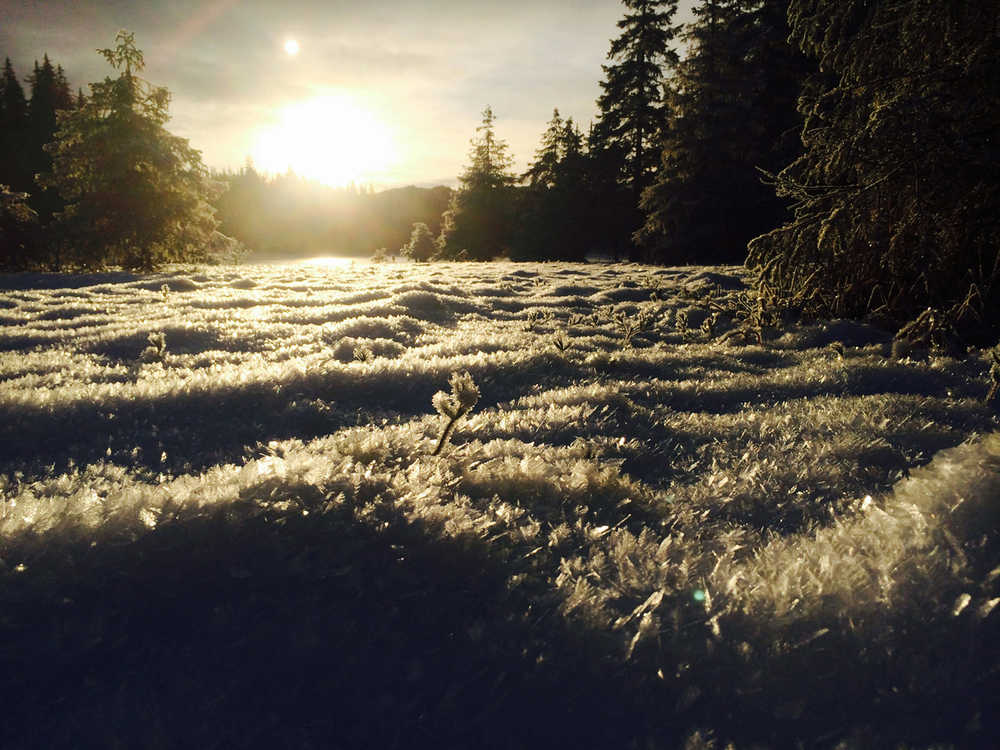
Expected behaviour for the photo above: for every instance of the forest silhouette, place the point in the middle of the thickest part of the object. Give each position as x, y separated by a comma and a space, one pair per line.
850, 145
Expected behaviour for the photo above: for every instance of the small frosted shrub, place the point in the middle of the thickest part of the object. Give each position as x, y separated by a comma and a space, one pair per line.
157, 349
455, 405
363, 353
629, 325
915, 336
710, 324
993, 397
536, 319
750, 312
682, 322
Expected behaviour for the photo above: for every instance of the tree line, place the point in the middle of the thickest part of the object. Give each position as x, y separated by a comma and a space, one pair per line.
670, 170
88, 181
25, 127
845, 150
97, 179
288, 216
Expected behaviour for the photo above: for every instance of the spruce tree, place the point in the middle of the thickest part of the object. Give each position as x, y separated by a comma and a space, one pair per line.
612, 213
542, 171
552, 209
632, 112
15, 169
732, 113
13, 105
136, 195
50, 94
897, 205
479, 218
421, 245
19, 231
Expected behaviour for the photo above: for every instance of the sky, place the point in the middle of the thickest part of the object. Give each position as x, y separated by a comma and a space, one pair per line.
384, 92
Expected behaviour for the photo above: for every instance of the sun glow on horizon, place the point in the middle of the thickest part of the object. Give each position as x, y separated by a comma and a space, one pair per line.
291, 47
330, 139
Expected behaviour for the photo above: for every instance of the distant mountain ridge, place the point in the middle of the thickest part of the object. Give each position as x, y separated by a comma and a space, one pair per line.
286, 216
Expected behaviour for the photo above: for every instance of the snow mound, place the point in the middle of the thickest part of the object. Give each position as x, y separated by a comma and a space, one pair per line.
960, 486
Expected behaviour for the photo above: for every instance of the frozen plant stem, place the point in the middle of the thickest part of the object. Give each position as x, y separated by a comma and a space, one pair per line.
455, 405
157, 349
993, 397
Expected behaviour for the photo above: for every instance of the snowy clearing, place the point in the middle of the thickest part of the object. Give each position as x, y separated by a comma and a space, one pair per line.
726, 533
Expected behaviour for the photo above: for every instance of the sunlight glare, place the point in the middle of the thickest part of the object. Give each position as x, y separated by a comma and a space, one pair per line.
330, 139
292, 47
332, 261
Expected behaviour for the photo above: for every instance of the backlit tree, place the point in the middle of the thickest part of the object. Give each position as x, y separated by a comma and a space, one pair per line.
478, 219
137, 196
897, 204
632, 112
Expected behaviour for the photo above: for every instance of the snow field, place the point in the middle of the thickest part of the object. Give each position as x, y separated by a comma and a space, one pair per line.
706, 503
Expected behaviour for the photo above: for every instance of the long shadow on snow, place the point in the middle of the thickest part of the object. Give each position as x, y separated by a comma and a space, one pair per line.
254, 626
191, 431
259, 626
889, 379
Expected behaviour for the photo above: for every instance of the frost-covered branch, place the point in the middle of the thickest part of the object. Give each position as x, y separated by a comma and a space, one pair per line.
464, 395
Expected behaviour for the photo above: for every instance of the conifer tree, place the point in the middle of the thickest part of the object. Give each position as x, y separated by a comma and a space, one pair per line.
552, 209
612, 213
624, 144
732, 113
421, 245
542, 171
631, 106
136, 195
13, 105
19, 231
478, 219
897, 205
49, 95
15, 170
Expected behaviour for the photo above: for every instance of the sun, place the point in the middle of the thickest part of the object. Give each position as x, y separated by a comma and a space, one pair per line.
331, 139
291, 47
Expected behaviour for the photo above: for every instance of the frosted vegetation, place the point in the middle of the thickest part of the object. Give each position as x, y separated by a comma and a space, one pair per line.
223, 521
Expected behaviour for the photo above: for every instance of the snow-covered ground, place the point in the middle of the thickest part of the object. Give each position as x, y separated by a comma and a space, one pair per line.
710, 506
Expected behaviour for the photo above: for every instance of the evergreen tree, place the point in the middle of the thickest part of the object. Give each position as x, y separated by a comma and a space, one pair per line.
542, 171
49, 95
613, 214
19, 231
552, 209
732, 112
478, 219
13, 105
632, 110
136, 195
15, 170
897, 205
421, 245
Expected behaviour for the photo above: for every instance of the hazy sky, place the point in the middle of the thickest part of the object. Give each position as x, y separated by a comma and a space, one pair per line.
386, 92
